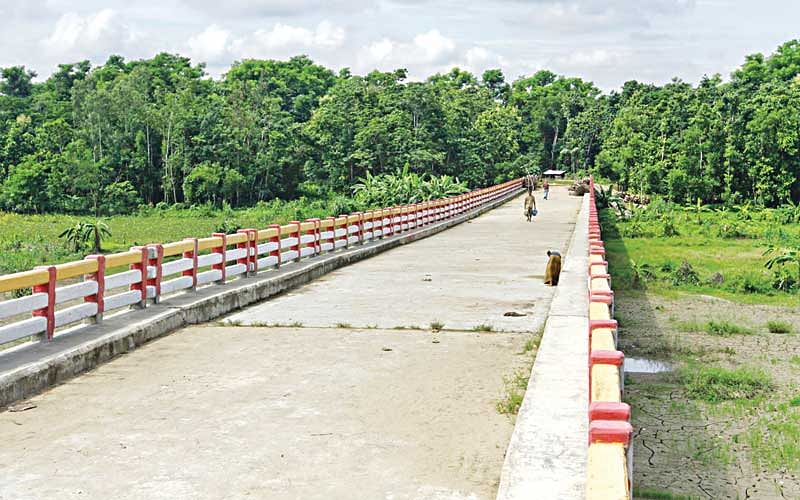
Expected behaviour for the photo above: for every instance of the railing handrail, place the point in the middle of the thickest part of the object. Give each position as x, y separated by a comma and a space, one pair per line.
200, 261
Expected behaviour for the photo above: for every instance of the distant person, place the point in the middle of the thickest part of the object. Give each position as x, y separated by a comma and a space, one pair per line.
553, 272
530, 205
546, 187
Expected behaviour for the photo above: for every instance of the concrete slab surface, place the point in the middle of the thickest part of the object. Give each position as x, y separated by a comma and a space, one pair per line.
547, 455
269, 413
467, 276
335, 412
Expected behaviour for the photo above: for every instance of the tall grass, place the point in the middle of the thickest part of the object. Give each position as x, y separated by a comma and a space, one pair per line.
714, 384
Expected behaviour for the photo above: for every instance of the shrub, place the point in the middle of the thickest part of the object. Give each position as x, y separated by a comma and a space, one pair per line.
724, 328
776, 326
120, 198
227, 227
731, 230
750, 283
685, 275
634, 229
784, 281
715, 384
640, 275
668, 228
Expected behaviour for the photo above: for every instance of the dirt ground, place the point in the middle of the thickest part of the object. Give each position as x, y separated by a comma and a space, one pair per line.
697, 449
273, 413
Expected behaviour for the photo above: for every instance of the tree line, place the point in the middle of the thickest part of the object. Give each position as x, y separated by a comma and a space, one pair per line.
107, 139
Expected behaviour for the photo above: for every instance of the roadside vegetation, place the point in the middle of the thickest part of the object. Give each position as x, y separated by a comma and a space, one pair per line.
698, 286
728, 252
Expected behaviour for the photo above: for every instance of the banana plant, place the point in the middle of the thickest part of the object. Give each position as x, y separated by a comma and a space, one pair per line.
698, 209
79, 235
783, 256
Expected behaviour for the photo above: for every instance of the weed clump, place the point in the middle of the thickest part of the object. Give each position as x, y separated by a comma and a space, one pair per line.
685, 275
531, 344
776, 326
483, 328
724, 328
715, 384
516, 385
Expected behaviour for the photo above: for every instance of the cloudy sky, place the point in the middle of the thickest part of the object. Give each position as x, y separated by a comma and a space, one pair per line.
607, 41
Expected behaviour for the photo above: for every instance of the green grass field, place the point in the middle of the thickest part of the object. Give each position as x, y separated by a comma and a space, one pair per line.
672, 252
27, 241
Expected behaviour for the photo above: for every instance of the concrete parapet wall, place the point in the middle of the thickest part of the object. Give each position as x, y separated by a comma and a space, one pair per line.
27, 371
575, 390
546, 457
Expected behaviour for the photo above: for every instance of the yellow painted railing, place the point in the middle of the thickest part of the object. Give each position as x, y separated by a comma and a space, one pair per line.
141, 271
610, 456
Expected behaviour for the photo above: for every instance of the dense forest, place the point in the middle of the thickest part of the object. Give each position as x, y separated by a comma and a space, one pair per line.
107, 139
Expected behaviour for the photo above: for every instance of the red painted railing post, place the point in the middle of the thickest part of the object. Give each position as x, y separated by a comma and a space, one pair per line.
296, 234
221, 266
141, 266
317, 236
277, 240
100, 277
332, 239
192, 254
155, 260
313, 233
246, 245
48, 312
346, 227
360, 224
253, 251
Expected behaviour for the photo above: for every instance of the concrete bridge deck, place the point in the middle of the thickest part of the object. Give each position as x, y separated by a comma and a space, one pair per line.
345, 406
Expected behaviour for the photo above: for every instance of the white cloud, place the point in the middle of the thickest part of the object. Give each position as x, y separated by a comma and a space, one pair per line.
283, 8
433, 46
590, 58
607, 41
282, 36
211, 45
219, 46
72, 29
429, 51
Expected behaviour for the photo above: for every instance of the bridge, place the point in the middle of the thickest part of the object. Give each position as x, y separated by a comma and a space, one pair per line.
359, 356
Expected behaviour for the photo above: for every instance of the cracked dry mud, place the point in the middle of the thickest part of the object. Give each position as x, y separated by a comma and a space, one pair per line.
692, 448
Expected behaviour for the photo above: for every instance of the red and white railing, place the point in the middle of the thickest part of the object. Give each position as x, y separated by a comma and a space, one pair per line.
67, 295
